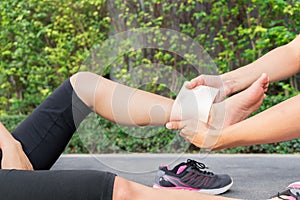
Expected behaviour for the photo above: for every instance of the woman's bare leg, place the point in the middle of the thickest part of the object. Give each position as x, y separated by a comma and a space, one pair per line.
130, 106
119, 103
128, 190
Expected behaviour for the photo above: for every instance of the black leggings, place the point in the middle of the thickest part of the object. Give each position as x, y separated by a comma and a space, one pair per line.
44, 135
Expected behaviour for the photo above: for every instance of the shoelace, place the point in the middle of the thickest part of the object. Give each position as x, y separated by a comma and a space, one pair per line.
199, 166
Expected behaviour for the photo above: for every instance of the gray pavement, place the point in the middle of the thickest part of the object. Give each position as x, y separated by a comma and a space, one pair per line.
255, 176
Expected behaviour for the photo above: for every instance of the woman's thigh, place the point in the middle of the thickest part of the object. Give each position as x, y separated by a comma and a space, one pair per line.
56, 184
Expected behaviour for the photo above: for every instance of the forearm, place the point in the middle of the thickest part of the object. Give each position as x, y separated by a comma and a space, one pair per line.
279, 123
278, 64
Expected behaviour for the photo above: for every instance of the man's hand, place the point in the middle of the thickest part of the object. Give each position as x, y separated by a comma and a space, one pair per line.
196, 132
13, 156
212, 81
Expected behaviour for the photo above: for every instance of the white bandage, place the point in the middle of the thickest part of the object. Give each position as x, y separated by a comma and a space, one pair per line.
193, 103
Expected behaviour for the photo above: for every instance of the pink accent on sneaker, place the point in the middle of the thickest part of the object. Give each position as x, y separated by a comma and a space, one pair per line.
294, 185
181, 169
177, 188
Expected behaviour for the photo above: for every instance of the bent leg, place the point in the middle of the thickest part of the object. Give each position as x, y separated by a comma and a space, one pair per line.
45, 133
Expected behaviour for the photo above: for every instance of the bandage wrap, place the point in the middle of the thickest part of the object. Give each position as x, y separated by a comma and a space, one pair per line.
193, 103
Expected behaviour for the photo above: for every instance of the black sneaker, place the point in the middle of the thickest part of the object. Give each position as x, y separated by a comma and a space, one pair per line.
191, 175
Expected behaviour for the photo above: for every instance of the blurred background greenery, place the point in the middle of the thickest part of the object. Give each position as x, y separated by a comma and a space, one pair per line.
43, 42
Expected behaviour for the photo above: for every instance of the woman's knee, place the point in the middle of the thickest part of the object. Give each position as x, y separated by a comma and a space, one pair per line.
83, 77
84, 85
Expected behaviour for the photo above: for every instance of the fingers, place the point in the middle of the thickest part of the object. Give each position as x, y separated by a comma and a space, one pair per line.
195, 82
175, 125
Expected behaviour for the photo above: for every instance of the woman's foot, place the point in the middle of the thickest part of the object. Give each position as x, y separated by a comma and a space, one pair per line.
239, 106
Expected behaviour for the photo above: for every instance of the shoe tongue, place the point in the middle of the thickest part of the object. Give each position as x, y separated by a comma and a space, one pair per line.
181, 169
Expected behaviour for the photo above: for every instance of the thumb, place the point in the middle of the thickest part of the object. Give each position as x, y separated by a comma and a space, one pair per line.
191, 84
175, 125
195, 82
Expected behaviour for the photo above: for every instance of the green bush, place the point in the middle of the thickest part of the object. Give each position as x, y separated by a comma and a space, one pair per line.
288, 147
44, 42
12, 122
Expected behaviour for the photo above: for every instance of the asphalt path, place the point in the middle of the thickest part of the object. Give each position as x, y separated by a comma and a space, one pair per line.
255, 176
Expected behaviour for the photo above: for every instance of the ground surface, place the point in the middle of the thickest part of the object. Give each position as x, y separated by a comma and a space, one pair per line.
254, 176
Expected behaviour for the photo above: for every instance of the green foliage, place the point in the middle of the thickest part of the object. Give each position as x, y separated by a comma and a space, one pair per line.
44, 42
148, 139
280, 148
12, 122
76, 145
